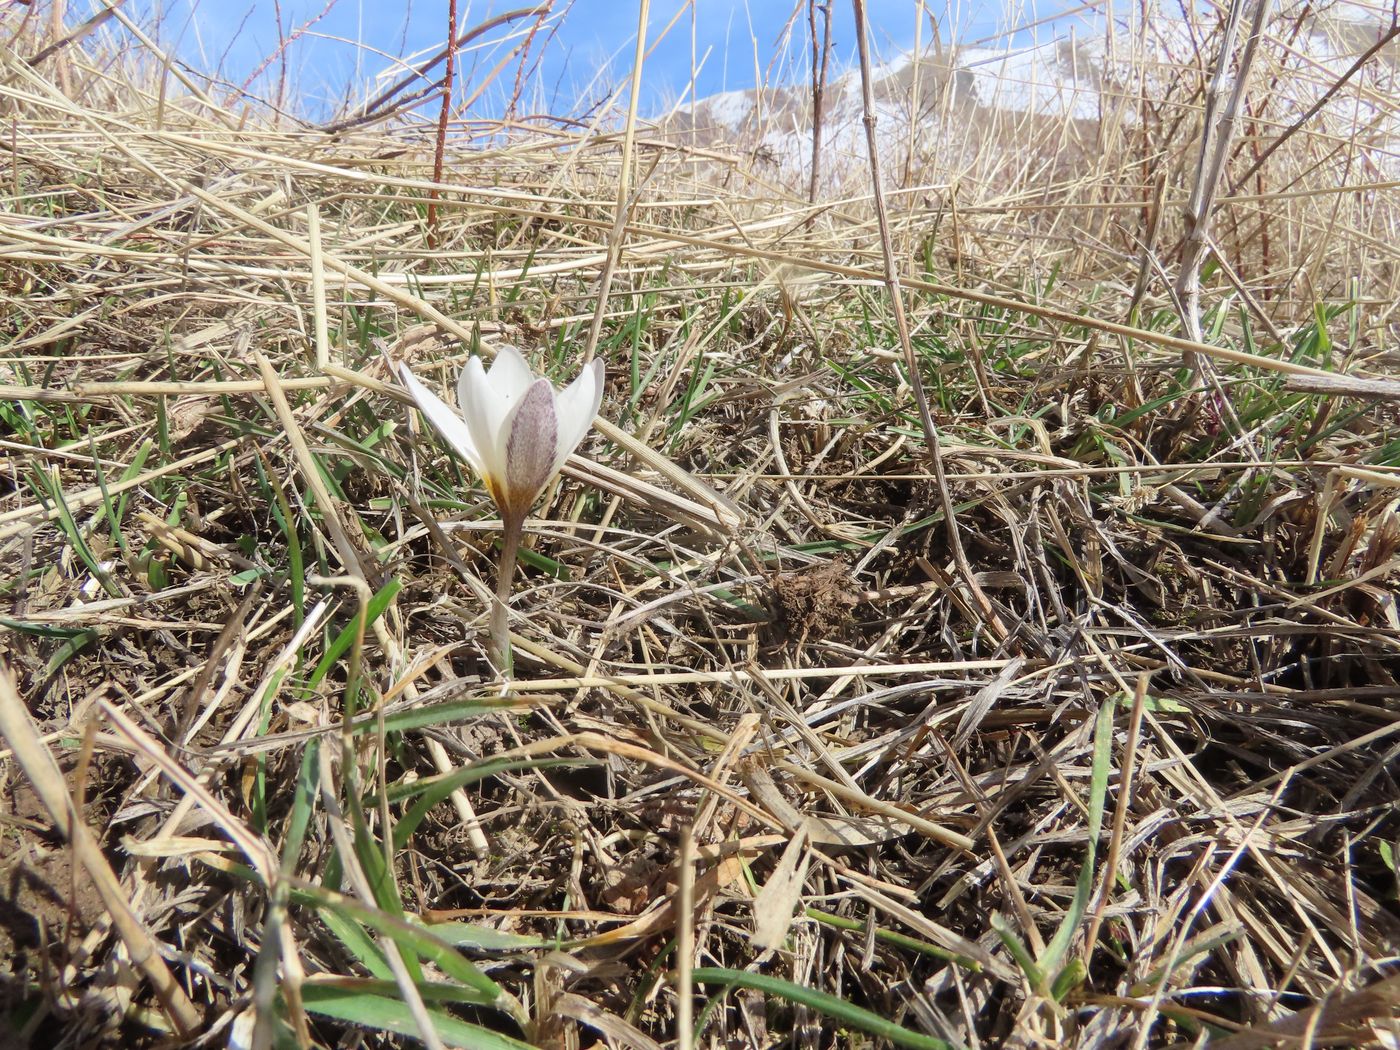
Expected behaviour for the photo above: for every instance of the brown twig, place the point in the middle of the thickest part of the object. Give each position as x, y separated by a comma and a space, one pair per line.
820, 60
77, 35
518, 88
284, 41
377, 108
1361, 62
440, 146
1345, 386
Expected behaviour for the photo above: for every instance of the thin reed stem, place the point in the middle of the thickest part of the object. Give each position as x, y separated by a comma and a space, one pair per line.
892, 283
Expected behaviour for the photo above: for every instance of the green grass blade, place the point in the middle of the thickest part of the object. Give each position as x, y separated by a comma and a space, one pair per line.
108, 507
829, 1005
898, 940
281, 511
422, 943
50, 491
375, 1005
42, 630
1194, 950
1018, 950
436, 789
346, 638
71, 648
417, 717
302, 804
483, 938
1084, 887
357, 942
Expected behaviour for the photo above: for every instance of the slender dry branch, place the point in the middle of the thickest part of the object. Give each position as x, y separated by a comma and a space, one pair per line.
618, 235
444, 114
1346, 386
821, 56
379, 107
77, 35
1216, 135
1362, 61
935, 453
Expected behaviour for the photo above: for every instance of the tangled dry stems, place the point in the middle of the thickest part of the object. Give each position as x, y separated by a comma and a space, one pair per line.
207, 473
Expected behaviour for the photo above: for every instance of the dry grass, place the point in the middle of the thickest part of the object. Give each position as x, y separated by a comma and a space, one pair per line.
776, 762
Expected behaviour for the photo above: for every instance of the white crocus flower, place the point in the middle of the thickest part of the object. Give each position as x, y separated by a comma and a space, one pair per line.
514, 428
516, 431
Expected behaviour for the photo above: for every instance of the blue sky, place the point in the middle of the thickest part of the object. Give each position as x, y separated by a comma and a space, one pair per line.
589, 53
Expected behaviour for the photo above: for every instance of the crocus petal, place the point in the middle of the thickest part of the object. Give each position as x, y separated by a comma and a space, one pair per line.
533, 435
487, 398
510, 376
485, 418
576, 407
444, 420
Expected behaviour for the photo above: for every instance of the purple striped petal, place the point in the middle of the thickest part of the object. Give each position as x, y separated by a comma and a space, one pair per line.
533, 436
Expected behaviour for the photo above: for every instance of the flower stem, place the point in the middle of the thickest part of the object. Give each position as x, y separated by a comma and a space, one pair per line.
501, 657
